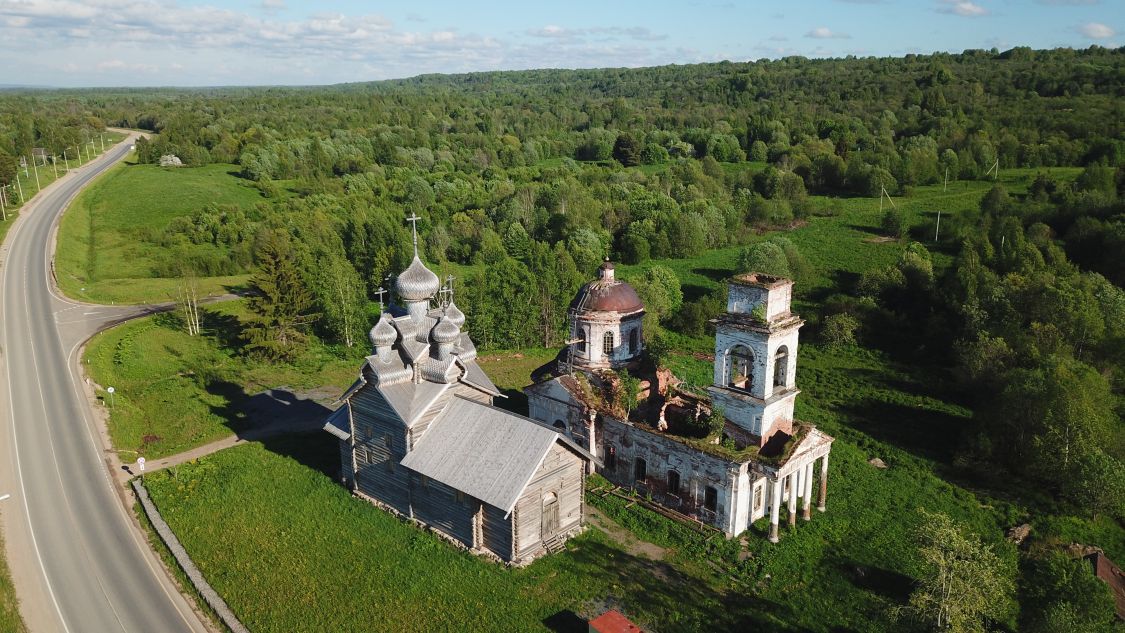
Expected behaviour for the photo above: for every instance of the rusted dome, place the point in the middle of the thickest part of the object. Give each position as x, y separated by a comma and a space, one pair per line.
417, 283
607, 295
383, 334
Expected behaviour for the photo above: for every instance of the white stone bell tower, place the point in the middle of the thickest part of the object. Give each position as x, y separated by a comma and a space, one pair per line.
756, 356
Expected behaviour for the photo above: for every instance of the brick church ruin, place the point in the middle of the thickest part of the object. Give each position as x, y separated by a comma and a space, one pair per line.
661, 447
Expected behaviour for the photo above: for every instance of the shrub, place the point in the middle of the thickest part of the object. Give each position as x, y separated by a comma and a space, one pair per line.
840, 330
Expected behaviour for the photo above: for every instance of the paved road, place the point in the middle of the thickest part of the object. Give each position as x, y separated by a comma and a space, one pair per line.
78, 561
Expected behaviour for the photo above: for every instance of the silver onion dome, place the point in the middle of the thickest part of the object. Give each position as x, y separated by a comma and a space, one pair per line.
383, 334
417, 283
454, 315
445, 331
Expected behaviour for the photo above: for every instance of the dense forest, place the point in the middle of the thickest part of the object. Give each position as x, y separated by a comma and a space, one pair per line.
536, 176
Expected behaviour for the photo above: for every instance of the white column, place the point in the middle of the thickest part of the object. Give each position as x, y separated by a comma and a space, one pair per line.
591, 431
775, 508
793, 494
823, 483
806, 502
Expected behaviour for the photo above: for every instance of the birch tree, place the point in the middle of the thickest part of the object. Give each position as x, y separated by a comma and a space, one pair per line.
964, 583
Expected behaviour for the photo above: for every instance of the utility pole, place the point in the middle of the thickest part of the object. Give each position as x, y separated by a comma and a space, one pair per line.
54, 166
3, 207
937, 229
66, 162
945, 187
35, 168
102, 138
20, 187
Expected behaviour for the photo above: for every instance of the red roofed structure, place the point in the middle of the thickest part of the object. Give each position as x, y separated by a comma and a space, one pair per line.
613, 622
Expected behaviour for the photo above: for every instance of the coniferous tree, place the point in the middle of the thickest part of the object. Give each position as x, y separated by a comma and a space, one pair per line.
279, 299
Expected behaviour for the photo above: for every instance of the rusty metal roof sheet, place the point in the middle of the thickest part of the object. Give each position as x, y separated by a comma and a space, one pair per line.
607, 296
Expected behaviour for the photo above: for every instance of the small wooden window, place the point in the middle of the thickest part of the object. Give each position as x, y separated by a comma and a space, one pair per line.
757, 498
390, 463
673, 482
633, 341
611, 458
711, 498
459, 497
607, 344
640, 470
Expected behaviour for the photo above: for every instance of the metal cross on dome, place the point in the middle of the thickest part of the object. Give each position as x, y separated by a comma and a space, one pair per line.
446, 291
381, 291
413, 220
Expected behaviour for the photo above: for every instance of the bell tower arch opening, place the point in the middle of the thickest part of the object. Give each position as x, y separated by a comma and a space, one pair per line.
740, 368
781, 367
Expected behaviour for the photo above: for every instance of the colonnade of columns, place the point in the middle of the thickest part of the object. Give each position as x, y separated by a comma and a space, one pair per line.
799, 483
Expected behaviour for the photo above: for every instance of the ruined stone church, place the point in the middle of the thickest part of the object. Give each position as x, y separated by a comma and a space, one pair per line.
766, 458
420, 437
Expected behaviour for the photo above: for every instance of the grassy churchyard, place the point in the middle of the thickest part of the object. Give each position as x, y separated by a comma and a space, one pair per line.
269, 519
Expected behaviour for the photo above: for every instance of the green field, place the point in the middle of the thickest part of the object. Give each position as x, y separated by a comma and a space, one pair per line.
108, 248
843, 571
175, 392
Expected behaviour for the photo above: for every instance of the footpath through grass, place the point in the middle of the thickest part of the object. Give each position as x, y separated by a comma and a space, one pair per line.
109, 248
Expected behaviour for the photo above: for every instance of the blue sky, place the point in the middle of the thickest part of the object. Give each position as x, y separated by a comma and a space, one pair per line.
254, 42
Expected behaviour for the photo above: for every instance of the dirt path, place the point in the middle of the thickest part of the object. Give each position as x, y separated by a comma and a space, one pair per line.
624, 537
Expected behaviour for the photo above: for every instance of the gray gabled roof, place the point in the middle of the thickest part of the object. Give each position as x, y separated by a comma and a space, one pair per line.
411, 400
339, 424
483, 451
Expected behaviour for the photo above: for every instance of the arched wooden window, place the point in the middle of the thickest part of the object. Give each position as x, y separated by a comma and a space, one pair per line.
607, 344
611, 458
740, 367
633, 341
580, 334
640, 470
780, 366
673, 482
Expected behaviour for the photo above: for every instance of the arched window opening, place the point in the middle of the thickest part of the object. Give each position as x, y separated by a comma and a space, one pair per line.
607, 344
740, 367
611, 458
640, 470
673, 482
580, 334
633, 341
560, 425
781, 366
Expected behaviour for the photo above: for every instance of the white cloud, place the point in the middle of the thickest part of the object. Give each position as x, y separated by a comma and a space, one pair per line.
1096, 31
962, 7
825, 33
274, 5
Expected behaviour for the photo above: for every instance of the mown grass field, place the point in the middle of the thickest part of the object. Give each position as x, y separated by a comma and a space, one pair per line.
175, 392
103, 256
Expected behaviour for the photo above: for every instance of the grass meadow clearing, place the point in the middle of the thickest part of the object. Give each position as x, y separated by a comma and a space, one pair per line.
108, 247
10, 621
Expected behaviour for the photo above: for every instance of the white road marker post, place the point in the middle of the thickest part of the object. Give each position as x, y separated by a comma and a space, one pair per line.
141, 464
3, 497
110, 391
